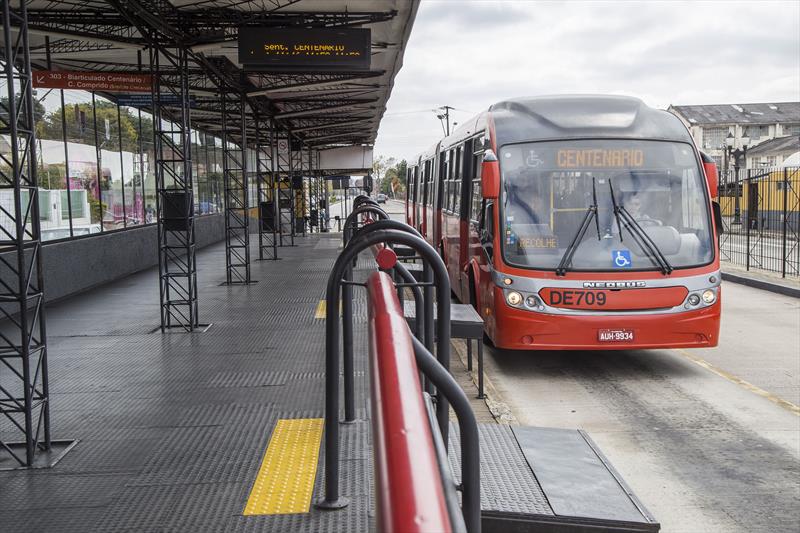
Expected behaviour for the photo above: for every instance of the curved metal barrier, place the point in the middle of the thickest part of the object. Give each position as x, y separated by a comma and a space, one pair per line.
351, 222
409, 499
333, 295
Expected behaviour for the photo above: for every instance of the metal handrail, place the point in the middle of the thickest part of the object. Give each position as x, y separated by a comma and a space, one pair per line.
408, 498
468, 428
349, 222
420, 327
333, 294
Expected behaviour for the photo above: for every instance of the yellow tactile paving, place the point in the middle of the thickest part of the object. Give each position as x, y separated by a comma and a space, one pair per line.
322, 308
285, 481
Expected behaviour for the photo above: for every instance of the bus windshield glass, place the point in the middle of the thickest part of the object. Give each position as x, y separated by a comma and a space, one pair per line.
550, 189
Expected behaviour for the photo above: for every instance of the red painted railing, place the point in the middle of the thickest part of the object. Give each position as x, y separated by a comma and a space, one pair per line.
410, 495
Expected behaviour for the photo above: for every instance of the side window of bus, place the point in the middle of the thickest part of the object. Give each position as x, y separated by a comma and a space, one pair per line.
457, 175
477, 161
429, 181
441, 201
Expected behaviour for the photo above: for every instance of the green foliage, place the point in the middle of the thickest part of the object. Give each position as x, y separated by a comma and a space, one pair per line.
80, 123
393, 175
38, 108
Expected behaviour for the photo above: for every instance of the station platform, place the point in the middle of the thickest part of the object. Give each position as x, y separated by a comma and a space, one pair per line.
172, 428
221, 429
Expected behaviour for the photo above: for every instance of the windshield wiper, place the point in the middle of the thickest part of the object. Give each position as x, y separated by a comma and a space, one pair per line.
591, 212
639, 235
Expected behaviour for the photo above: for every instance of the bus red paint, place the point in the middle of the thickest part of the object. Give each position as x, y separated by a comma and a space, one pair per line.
575, 222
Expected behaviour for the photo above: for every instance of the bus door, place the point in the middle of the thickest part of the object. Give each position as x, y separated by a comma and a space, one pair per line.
474, 252
409, 204
439, 216
417, 196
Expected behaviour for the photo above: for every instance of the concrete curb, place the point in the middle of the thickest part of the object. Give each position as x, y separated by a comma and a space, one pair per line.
761, 284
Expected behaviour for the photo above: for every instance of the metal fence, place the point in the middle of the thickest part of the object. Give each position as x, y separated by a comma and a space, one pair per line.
761, 219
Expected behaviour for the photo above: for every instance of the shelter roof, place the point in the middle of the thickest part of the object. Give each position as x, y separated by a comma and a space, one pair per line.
323, 108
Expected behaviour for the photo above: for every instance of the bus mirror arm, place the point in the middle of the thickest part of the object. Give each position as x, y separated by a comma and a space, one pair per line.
490, 176
717, 210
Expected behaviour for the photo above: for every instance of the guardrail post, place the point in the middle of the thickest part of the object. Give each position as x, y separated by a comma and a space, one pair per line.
747, 220
347, 347
785, 220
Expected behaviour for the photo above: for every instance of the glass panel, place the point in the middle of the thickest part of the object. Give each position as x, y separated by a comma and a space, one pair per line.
130, 158
548, 188
147, 168
51, 164
82, 162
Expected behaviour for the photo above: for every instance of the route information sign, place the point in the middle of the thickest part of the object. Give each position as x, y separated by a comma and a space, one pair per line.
306, 49
92, 81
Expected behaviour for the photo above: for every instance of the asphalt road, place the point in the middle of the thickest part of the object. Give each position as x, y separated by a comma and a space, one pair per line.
708, 439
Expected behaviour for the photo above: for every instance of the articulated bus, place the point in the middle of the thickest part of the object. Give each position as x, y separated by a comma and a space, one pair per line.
575, 222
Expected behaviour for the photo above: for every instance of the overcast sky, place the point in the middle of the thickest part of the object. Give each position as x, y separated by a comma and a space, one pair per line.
470, 54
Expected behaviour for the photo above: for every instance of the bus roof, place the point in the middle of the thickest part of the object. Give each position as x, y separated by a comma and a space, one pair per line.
583, 116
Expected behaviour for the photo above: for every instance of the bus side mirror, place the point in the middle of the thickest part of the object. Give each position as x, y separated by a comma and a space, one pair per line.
712, 176
490, 176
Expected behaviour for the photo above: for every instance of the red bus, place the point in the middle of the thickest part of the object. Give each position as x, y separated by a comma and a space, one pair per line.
575, 222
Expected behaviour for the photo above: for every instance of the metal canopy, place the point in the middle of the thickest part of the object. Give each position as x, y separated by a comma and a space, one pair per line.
323, 108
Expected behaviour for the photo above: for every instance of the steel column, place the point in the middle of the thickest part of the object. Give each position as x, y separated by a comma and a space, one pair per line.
265, 182
286, 213
24, 398
174, 203
234, 178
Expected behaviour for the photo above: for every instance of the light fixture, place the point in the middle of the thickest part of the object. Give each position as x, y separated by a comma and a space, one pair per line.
514, 298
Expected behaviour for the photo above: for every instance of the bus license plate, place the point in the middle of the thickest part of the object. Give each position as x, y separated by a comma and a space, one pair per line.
615, 335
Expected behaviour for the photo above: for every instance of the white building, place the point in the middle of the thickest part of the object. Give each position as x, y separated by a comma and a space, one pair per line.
710, 125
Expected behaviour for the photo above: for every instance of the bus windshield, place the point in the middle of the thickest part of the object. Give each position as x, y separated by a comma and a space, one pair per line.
550, 188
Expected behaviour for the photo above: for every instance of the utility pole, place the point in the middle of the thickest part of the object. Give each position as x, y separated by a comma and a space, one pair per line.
445, 117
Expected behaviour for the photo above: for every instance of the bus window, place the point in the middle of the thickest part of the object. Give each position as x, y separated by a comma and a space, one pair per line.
477, 160
457, 175
549, 186
428, 183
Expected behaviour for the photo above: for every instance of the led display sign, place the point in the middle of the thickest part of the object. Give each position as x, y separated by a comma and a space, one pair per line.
304, 49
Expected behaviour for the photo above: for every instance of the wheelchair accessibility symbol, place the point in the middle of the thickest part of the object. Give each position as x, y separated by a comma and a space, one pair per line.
622, 258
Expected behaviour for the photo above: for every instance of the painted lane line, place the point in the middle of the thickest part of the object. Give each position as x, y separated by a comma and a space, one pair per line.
789, 406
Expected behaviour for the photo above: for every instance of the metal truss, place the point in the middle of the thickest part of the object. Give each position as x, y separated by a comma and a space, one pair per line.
284, 175
266, 186
234, 177
300, 194
175, 206
24, 394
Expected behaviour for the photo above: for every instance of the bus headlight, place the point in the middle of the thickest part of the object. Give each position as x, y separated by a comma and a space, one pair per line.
514, 298
531, 301
694, 299
709, 296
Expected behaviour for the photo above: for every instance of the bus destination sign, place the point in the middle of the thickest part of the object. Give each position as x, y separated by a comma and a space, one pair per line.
304, 49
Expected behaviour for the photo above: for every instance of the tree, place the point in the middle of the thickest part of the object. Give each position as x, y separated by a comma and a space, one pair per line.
80, 124
38, 108
394, 178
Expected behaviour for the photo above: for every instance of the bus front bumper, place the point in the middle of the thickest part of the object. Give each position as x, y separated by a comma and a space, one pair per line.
524, 330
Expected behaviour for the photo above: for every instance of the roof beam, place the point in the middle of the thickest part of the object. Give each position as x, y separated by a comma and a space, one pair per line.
330, 125
323, 110
316, 84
